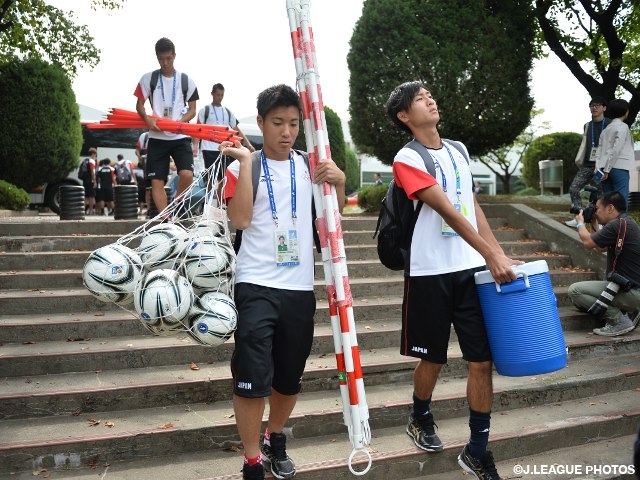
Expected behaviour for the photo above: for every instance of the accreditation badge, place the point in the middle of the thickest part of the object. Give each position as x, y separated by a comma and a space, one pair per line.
167, 112
287, 250
594, 153
447, 231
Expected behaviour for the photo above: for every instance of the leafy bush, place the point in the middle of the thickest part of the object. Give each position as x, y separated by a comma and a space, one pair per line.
562, 145
352, 171
527, 192
40, 133
370, 197
12, 197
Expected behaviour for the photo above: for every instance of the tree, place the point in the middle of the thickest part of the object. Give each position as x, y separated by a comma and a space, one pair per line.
335, 134
352, 171
31, 28
40, 133
562, 146
474, 57
599, 42
504, 161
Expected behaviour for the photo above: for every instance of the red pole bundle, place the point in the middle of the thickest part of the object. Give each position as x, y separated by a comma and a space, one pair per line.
118, 118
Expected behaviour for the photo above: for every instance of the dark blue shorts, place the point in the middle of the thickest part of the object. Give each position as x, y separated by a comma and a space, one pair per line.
272, 340
431, 305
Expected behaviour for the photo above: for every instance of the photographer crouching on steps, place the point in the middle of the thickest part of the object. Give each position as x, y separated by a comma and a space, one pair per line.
616, 299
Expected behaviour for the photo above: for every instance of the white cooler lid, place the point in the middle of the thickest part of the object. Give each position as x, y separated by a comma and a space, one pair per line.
531, 268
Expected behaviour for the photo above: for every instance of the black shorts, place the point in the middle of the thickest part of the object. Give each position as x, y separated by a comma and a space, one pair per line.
160, 153
104, 195
272, 340
431, 304
210, 157
89, 191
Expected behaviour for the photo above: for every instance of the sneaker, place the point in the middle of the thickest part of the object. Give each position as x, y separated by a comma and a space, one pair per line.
253, 472
624, 325
276, 454
422, 430
571, 223
635, 318
482, 469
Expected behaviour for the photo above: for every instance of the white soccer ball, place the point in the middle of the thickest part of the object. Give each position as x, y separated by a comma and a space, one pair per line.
162, 300
111, 273
206, 262
161, 245
210, 227
213, 319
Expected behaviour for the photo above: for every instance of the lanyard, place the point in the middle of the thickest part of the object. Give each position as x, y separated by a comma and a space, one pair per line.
455, 168
593, 138
173, 94
267, 179
216, 115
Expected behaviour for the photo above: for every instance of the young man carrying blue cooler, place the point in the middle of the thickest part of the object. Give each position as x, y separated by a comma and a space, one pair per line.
451, 241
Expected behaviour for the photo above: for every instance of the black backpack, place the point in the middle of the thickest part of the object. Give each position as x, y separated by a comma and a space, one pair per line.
83, 170
123, 174
256, 168
206, 115
398, 217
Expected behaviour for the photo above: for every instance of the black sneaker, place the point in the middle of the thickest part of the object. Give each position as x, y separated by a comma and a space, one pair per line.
253, 472
482, 469
422, 429
276, 454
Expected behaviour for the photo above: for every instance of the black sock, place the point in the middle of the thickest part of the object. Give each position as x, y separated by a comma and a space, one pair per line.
421, 407
479, 424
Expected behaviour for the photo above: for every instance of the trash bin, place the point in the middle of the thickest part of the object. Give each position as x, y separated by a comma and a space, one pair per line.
551, 175
71, 202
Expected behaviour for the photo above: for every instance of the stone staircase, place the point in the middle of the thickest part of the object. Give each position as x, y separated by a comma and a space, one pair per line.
86, 392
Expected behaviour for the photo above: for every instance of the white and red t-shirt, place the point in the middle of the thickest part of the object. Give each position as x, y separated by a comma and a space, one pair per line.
217, 116
167, 93
256, 261
431, 252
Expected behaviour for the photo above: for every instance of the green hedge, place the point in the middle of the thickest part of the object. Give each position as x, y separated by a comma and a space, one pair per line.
12, 197
370, 198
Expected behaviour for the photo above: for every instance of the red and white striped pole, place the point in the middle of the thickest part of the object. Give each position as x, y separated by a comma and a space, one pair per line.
355, 409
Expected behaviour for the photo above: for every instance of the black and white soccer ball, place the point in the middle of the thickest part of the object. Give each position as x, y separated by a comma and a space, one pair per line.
213, 319
206, 261
161, 245
163, 300
112, 272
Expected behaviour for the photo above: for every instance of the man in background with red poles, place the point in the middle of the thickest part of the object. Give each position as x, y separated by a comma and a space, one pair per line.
173, 96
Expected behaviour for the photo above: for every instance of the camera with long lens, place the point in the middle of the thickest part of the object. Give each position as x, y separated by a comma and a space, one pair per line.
616, 282
587, 212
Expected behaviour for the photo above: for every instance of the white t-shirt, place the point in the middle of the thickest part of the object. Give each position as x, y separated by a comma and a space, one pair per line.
163, 95
256, 261
431, 252
217, 116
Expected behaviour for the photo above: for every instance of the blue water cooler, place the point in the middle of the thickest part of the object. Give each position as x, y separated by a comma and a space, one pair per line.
522, 321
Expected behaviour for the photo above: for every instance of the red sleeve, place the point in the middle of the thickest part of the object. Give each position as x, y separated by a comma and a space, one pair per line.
230, 186
411, 179
138, 93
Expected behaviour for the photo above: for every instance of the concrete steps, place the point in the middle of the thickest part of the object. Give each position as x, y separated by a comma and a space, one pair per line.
86, 391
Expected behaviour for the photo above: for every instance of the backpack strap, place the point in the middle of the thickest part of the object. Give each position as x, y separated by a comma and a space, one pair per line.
155, 76
206, 114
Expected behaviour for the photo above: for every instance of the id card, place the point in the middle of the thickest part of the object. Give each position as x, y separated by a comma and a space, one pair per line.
287, 251
447, 231
167, 112
594, 153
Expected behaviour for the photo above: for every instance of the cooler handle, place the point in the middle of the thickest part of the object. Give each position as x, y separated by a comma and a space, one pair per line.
520, 284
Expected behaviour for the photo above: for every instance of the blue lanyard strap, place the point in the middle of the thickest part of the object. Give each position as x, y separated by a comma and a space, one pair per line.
267, 179
593, 136
455, 168
173, 93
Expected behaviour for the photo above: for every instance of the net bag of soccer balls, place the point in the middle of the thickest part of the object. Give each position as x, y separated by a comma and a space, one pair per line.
175, 273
